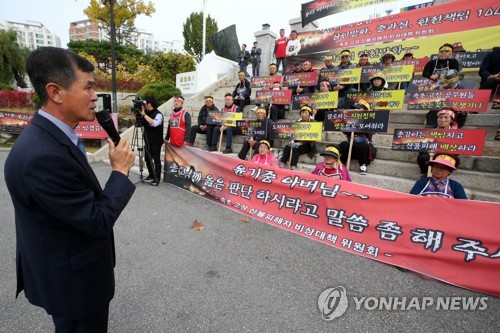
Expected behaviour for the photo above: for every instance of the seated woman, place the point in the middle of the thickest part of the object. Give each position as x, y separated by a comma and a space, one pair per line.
361, 143
378, 82
331, 166
445, 120
319, 115
439, 185
296, 148
265, 157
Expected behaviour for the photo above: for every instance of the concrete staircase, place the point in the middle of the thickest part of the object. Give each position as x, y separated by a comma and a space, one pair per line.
392, 170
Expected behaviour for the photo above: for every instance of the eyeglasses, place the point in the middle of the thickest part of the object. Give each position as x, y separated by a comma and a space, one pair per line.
344, 56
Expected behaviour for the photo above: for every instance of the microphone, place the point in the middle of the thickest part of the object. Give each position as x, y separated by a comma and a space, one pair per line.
106, 122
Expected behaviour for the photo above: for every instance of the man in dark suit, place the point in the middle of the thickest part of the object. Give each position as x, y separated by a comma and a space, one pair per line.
243, 56
64, 220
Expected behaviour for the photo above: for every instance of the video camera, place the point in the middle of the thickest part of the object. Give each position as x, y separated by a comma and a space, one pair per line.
138, 104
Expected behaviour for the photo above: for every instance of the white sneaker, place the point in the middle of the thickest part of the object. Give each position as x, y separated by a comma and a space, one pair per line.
362, 170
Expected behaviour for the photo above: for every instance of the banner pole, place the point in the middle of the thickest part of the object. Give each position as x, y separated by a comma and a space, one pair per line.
351, 142
220, 138
429, 168
291, 154
252, 150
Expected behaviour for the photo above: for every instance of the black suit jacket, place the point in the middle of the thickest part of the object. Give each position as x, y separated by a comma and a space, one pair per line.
64, 222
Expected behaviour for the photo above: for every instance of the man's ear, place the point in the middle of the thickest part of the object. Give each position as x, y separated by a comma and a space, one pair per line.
54, 92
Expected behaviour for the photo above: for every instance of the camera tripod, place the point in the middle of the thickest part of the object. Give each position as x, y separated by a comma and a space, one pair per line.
140, 144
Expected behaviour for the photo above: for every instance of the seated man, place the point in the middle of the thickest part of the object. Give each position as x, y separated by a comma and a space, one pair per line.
229, 106
253, 141
242, 91
490, 70
202, 126
295, 148
277, 110
447, 80
362, 142
434, 68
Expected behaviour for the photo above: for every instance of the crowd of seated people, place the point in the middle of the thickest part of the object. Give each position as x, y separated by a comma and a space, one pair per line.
445, 70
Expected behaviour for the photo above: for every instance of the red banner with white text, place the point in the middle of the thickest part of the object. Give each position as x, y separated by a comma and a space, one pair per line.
15, 122
446, 18
455, 241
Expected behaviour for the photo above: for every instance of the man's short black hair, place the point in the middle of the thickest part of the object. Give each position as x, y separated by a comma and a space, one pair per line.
54, 65
151, 100
446, 45
228, 94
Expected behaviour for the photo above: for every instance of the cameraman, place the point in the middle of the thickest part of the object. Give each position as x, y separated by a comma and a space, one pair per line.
153, 138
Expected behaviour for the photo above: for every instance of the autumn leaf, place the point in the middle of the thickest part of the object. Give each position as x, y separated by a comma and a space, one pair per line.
197, 226
245, 219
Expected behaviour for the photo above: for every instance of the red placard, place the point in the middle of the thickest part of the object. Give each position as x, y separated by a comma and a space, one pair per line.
418, 64
265, 82
452, 141
470, 100
412, 233
281, 97
300, 79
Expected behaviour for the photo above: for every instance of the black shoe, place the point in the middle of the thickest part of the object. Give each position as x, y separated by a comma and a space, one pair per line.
154, 183
212, 148
228, 150
149, 179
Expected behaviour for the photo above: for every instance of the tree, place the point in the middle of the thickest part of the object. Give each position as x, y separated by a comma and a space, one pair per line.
164, 67
125, 11
192, 30
101, 51
13, 59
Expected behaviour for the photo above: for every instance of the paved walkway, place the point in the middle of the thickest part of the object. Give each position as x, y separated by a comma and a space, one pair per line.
233, 276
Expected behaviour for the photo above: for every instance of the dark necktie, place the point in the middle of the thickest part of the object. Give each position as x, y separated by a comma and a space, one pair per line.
82, 148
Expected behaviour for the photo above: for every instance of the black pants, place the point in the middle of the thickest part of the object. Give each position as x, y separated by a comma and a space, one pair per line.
154, 166
296, 152
195, 129
360, 151
489, 84
422, 160
277, 113
241, 103
246, 147
97, 323
283, 64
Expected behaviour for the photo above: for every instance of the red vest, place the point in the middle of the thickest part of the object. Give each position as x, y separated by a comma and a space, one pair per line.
281, 47
177, 128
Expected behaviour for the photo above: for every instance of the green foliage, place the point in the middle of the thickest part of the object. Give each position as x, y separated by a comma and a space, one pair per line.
164, 67
101, 51
12, 59
192, 30
37, 102
161, 91
125, 13
4, 86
